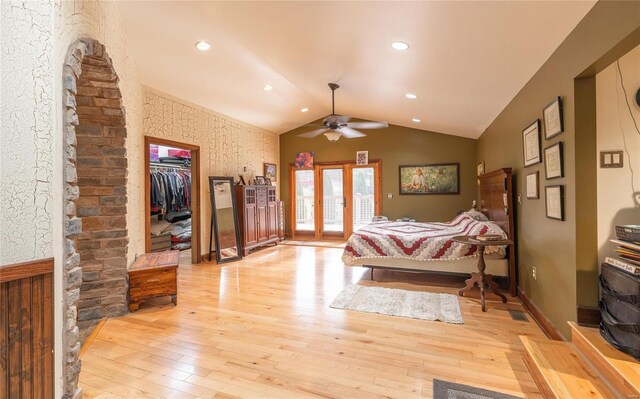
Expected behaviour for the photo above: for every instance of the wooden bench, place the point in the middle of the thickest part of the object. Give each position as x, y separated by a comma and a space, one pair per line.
153, 275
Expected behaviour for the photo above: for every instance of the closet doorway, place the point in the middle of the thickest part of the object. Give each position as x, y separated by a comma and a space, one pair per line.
334, 199
172, 197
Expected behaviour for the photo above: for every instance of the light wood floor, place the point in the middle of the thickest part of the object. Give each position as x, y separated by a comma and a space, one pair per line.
262, 327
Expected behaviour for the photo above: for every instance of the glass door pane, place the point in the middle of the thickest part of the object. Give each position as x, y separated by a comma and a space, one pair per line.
363, 197
304, 185
332, 201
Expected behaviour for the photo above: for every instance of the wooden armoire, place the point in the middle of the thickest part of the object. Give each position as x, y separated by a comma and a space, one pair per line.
261, 216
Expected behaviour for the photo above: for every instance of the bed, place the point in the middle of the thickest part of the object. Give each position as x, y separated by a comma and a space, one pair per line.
427, 247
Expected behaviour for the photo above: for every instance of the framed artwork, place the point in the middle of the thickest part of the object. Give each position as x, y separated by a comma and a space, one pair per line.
260, 180
429, 179
531, 143
554, 196
480, 168
553, 119
533, 185
271, 171
362, 158
267, 181
553, 161
304, 160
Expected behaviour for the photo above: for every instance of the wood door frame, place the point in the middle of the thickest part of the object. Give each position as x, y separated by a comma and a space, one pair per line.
292, 197
377, 175
348, 167
319, 222
196, 255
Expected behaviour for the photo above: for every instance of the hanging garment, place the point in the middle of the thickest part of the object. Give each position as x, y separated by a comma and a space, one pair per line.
170, 190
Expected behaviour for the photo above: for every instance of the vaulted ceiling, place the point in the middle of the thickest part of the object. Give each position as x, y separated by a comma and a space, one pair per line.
465, 62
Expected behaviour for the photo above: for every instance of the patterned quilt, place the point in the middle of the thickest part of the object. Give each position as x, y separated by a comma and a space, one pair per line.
419, 241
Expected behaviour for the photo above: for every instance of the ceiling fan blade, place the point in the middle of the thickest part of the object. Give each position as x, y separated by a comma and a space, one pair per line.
368, 125
313, 133
350, 133
336, 119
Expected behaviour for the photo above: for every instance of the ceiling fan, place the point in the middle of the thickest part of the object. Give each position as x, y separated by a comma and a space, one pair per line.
335, 126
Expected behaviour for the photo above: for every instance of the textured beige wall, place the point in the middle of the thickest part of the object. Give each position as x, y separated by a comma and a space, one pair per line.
26, 130
616, 131
227, 145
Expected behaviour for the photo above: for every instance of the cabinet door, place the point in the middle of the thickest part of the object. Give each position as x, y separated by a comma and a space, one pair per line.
272, 215
263, 224
250, 226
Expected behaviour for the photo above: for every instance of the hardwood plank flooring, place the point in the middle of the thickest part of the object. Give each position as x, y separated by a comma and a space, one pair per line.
262, 328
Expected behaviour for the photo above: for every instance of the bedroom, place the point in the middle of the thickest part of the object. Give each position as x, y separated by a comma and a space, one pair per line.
480, 73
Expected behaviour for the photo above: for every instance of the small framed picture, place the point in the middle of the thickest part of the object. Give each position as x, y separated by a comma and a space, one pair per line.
554, 196
480, 168
260, 180
362, 158
271, 171
531, 143
533, 185
553, 119
304, 160
267, 181
553, 161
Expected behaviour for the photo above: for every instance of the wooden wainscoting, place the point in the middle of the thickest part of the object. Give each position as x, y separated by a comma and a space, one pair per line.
26, 330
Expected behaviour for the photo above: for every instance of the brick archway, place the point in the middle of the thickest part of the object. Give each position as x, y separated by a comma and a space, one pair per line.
95, 201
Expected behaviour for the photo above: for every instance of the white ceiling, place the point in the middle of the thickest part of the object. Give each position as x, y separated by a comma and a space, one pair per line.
467, 60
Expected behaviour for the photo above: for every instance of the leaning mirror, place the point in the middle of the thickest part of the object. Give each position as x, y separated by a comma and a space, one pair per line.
224, 219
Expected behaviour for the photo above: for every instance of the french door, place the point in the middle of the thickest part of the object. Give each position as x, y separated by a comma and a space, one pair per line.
334, 199
331, 201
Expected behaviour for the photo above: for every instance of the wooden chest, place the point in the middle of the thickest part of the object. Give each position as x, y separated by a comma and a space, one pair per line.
153, 275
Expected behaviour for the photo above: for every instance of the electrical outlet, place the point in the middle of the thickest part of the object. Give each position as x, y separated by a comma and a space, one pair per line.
534, 273
389, 195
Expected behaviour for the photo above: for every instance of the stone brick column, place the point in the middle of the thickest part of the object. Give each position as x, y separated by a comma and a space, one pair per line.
95, 197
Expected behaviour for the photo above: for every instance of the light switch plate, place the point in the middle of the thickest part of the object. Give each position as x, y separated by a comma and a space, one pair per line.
611, 159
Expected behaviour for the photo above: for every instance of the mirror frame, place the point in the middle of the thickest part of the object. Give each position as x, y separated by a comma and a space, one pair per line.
214, 219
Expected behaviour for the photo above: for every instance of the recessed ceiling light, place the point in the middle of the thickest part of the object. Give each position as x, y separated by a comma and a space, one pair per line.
267, 88
416, 120
305, 109
202, 45
400, 45
411, 96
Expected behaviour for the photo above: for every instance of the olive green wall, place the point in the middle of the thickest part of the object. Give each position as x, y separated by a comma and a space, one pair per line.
395, 146
564, 253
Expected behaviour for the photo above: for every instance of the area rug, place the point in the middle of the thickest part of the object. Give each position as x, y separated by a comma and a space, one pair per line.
450, 390
403, 303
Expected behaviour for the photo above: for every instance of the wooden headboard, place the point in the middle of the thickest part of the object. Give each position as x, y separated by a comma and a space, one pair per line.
496, 201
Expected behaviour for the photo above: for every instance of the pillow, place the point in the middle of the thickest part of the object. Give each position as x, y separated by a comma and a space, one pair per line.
479, 216
178, 216
159, 227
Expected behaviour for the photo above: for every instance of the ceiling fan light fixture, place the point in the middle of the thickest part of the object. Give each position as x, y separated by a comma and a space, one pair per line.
305, 109
333, 136
411, 96
267, 88
399, 45
203, 45
416, 120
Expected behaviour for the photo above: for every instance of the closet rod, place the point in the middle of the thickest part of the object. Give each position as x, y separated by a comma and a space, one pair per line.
165, 165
